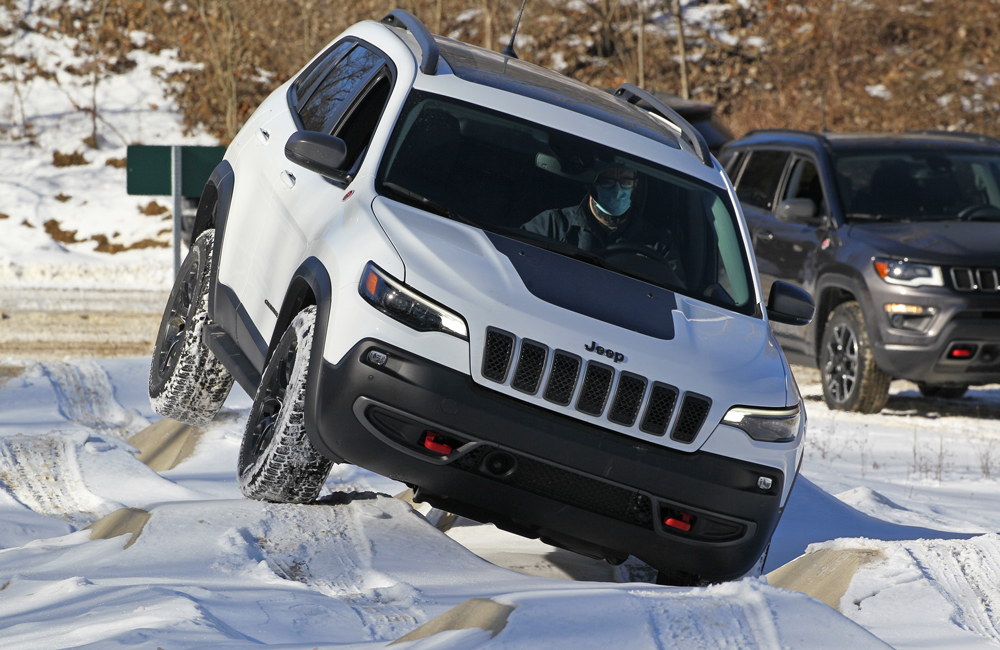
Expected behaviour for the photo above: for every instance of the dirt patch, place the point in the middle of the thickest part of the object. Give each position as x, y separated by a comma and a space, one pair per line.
62, 198
54, 231
4, 216
118, 163
163, 445
125, 521
152, 209
483, 613
68, 159
824, 574
55, 335
10, 371
105, 246
25, 223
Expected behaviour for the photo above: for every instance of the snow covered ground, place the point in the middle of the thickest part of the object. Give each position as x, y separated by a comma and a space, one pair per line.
362, 568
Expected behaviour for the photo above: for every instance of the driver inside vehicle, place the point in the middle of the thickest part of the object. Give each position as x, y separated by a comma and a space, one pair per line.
607, 221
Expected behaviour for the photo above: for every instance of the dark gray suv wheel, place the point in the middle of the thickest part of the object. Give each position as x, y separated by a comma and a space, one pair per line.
852, 381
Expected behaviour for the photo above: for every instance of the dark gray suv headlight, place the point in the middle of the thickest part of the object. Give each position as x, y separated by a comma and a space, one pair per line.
909, 274
767, 425
395, 299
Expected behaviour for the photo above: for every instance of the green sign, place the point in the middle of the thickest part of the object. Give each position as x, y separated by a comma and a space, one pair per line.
148, 169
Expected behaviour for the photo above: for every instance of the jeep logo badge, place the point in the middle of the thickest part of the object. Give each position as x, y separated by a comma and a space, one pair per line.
617, 357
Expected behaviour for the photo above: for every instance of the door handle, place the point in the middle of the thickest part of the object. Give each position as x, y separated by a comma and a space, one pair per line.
263, 136
766, 235
287, 179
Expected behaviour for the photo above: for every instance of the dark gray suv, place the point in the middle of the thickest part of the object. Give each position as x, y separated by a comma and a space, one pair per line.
897, 238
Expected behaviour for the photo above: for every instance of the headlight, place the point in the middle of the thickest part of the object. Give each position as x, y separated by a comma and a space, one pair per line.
766, 425
909, 274
395, 299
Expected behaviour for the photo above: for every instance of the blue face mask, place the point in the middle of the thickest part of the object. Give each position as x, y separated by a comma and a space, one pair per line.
614, 200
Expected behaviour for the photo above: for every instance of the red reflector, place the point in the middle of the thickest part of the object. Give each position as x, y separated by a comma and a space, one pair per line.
684, 523
960, 353
430, 442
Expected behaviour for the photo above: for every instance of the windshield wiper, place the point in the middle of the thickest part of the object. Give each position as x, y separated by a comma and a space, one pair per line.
426, 204
865, 216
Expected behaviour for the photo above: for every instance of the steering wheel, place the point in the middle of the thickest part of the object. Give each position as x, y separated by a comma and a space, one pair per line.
970, 213
630, 248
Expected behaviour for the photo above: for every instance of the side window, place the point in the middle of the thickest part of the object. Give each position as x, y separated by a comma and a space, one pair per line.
331, 98
307, 80
760, 178
804, 183
359, 127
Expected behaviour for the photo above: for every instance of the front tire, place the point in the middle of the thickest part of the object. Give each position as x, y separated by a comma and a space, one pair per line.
187, 382
852, 381
277, 462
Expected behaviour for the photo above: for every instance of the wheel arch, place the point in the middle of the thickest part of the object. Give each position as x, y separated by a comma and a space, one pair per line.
832, 291
213, 212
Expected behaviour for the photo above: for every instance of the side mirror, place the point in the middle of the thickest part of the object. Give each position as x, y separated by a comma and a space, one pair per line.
789, 304
796, 211
318, 152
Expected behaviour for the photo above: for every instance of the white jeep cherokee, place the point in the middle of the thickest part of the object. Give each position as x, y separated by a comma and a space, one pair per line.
530, 300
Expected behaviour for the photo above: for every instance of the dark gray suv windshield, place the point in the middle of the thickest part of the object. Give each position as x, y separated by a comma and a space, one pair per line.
925, 186
569, 195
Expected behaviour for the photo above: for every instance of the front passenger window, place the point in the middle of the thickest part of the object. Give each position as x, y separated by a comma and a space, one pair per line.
326, 105
804, 183
359, 126
759, 181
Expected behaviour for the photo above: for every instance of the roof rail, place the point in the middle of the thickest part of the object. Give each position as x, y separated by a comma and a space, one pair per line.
631, 94
982, 138
428, 46
812, 134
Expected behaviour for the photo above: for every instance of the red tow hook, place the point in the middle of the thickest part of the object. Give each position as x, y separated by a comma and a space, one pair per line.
431, 443
684, 523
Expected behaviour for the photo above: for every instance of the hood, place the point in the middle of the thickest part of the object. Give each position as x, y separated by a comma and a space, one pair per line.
940, 242
708, 350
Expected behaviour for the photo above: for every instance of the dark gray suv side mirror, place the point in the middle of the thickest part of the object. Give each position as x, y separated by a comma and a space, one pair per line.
789, 304
797, 211
318, 152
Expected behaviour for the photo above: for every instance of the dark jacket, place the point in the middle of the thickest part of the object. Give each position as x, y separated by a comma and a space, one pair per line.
578, 227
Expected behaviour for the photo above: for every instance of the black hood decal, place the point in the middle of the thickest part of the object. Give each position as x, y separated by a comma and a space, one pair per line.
586, 289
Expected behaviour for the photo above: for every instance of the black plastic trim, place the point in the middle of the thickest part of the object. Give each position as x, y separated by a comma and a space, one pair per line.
223, 180
451, 401
229, 353
428, 46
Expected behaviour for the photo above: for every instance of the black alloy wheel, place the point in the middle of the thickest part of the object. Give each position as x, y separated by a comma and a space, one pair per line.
266, 417
852, 380
182, 311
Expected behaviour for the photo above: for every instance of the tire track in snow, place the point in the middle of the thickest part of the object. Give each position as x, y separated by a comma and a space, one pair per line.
335, 558
43, 474
85, 395
967, 574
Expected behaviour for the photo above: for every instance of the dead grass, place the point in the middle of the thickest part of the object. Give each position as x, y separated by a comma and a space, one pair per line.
105, 246
153, 209
117, 163
53, 229
68, 159
62, 198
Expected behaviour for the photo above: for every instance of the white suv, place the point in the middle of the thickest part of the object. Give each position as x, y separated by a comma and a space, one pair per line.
530, 300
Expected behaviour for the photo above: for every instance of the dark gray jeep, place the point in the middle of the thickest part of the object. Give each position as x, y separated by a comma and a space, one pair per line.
897, 238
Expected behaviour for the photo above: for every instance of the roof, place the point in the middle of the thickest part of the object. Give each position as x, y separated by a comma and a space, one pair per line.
859, 142
488, 68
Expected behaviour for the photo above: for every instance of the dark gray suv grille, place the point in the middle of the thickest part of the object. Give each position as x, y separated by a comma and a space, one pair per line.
968, 279
558, 380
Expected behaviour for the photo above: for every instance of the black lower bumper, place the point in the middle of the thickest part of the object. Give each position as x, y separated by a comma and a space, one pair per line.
931, 364
538, 473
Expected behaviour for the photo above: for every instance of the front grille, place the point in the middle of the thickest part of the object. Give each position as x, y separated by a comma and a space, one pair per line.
596, 386
496, 358
562, 379
530, 364
694, 410
628, 398
967, 279
661, 406
578, 490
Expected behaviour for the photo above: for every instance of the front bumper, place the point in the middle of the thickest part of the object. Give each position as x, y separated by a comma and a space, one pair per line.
572, 484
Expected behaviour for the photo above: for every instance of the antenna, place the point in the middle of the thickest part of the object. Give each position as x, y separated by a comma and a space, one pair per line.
509, 50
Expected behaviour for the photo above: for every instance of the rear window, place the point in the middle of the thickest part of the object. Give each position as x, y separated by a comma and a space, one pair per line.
564, 193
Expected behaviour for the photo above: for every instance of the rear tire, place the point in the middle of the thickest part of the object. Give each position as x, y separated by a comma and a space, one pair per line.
852, 381
277, 462
944, 392
187, 382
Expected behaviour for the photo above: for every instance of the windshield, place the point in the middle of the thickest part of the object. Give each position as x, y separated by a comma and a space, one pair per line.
569, 195
920, 186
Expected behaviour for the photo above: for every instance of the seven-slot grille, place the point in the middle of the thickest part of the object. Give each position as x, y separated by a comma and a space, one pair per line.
967, 279
532, 369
